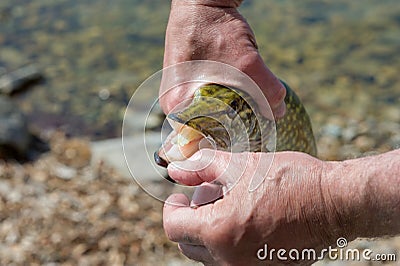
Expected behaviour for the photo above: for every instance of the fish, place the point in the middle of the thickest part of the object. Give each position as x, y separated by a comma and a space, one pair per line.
228, 119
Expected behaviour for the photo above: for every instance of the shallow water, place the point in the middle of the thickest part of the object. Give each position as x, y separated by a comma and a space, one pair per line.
340, 56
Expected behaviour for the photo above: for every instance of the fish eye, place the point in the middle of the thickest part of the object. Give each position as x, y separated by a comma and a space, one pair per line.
233, 109
234, 104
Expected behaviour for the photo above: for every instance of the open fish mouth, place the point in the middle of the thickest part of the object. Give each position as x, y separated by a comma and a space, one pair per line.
217, 118
181, 144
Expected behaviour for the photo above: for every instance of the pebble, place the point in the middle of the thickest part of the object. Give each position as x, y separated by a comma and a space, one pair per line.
364, 143
39, 175
104, 94
349, 133
64, 172
19, 79
73, 152
392, 113
14, 135
332, 130
87, 222
328, 147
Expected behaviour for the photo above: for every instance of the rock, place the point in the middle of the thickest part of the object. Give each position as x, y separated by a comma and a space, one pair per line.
140, 157
64, 172
332, 130
395, 141
72, 152
364, 143
16, 141
392, 113
348, 151
349, 133
328, 147
14, 135
19, 79
52, 214
138, 121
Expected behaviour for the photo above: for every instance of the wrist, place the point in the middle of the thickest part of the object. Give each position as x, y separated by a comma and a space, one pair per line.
363, 195
344, 198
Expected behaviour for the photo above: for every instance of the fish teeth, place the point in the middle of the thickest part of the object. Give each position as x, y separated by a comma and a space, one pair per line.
182, 140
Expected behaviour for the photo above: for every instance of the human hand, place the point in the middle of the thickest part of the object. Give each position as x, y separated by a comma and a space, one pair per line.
290, 209
214, 30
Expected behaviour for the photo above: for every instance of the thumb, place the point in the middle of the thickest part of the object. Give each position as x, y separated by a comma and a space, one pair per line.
182, 223
205, 165
211, 166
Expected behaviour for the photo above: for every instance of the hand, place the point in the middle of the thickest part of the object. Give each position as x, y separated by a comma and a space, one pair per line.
288, 210
214, 30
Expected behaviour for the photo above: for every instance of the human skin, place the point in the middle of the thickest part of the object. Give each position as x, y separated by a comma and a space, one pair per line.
304, 203
214, 30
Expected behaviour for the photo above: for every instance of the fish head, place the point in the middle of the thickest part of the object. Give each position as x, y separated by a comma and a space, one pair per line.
218, 117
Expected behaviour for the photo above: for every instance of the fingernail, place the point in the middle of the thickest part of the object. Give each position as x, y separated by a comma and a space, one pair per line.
206, 193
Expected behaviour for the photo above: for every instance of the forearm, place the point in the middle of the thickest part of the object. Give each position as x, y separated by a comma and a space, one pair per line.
364, 195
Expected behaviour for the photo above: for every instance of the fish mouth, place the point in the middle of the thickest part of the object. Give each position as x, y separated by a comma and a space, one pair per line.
181, 143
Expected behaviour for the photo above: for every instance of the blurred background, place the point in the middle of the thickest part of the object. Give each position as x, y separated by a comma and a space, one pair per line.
69, 68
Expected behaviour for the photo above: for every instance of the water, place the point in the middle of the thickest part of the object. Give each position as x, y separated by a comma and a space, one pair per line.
340, 56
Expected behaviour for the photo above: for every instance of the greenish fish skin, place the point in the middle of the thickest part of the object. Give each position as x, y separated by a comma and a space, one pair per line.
215, 106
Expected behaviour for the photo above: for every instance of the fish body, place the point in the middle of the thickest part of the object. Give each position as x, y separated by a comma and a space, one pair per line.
294, 130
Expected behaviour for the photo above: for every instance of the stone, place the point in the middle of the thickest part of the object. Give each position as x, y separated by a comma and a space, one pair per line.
14, 135
139, 156
332, 130
73, 152
364, 143
19, 79
328, 147
64, 172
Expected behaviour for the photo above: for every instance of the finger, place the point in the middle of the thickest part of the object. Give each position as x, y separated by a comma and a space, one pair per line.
181, 223
175, 90
204, 166
206, 193
197, 253
270, 85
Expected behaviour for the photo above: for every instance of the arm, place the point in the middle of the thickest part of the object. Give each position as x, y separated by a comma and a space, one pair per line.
305, 203
365, 194
214, 30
